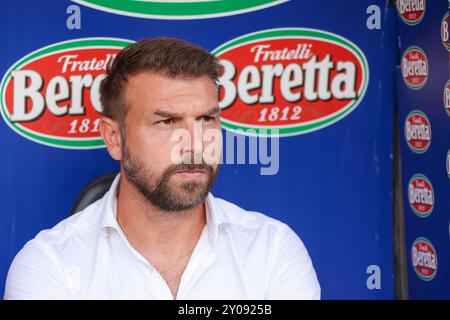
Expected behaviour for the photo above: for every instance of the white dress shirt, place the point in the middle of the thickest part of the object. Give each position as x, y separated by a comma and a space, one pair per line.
240, 255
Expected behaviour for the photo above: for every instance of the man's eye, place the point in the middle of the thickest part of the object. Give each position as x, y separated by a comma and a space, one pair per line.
206, 118
166, 122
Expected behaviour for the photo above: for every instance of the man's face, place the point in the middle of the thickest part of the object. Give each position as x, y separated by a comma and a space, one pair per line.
159, 110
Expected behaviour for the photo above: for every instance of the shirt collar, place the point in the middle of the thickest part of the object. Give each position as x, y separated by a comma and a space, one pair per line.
215, 217
109, 210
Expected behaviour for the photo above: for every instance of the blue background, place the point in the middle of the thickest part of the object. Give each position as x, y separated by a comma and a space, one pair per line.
334, 186
431, 163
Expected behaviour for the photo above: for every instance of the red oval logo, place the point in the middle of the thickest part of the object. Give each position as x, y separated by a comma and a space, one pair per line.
411, 11
415, 67
421, 195
447, 163
444, 31
292, 80
51, 96
424, 259
417, 131
447, 98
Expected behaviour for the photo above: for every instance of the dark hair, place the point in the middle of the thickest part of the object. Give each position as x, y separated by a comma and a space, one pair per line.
171, 57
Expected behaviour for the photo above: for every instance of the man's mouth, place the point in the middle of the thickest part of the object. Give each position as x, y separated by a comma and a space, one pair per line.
195, 173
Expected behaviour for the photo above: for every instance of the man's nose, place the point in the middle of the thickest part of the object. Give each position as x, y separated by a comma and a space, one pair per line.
196, 137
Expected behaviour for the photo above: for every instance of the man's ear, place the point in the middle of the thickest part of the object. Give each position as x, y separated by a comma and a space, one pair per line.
110, 131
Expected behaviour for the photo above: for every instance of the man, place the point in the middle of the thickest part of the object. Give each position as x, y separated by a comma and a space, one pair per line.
159, 233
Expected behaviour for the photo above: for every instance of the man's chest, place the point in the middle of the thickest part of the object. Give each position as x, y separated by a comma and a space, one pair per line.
138, 281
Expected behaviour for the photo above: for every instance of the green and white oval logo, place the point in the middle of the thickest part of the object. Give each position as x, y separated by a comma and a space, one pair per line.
415, 67
417, 131
179, 9
289, 80
421, 195
51, 96
424, 259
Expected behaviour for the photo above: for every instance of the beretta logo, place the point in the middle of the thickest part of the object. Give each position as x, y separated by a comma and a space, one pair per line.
51, 96
447, 97
424, 259
421, 195
293, 80
417, 131
411, 11
447, 163
444, 31
181, 9
415, 67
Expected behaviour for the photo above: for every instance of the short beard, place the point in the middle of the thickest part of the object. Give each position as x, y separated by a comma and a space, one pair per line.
155, 188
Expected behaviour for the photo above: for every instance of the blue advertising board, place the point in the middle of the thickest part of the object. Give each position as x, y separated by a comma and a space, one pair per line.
322, 112
424, 121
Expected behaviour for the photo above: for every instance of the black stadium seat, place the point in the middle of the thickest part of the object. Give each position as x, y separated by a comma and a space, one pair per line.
92, 192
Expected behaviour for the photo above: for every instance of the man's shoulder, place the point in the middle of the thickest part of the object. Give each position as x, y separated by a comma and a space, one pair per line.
38, 264
249, 219
78, 225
